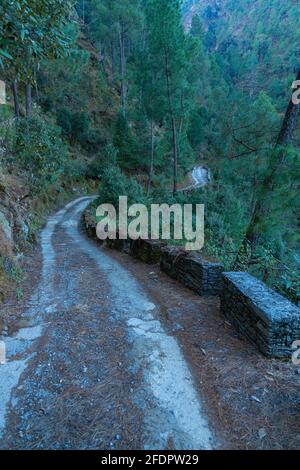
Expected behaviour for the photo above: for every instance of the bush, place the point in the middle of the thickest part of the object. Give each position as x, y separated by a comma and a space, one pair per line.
102, 162
126, 144
64, 120
115, 184
80, 124
91, 140
76, 126
40, 150
75, 169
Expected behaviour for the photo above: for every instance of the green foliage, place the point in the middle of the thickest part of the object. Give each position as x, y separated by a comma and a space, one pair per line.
257, 40
75, 90
170, 56
105, 160
76, 126
114, 184
79, 124
219, 90
125, 144
107, 17
75, 169
40, 151
31, 30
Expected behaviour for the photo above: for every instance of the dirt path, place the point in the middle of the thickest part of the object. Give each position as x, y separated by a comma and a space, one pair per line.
199, 177
92, 366
112, 354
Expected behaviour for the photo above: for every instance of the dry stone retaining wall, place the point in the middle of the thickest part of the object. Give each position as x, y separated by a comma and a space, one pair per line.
269, 320
192, 270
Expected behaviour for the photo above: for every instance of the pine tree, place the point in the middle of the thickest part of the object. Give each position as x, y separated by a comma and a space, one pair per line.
112, 26
125, 144
265, 209
167, 52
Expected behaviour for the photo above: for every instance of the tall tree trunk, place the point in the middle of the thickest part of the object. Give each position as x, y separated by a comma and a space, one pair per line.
152, 157
14, 87
112, 59
289, 123
37, 94
173, 122
28, 100
83, 11
182, 113
285, 137
175, 155
102, 59
123, 69
36, 88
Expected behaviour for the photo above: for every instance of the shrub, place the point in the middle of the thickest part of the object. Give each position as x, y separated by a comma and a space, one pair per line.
76, 126
126, 144
102, 162
114, 184
75, 169
80, 124
91, 140
40, 150
64, 120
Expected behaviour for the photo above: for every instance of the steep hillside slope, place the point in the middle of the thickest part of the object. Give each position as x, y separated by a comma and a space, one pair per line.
259, 39
48, 157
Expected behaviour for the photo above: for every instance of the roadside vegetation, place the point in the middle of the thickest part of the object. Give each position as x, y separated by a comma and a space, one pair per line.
129, 96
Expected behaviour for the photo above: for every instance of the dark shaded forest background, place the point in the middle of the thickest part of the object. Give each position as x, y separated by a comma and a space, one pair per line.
129, 96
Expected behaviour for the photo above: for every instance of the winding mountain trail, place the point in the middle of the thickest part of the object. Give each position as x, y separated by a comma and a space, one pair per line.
94, 366
200, 177
110, 353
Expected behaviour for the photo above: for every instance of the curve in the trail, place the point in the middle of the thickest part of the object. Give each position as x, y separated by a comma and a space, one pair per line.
170, 404
201, 177
41, 301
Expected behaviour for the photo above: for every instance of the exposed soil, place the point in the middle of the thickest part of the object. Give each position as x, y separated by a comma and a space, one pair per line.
251, 402
112, 354
91, 366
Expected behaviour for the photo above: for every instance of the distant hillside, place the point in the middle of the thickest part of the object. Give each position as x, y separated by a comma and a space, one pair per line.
259, 39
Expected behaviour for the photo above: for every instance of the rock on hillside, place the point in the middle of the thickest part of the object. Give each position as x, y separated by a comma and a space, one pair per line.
14, 221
